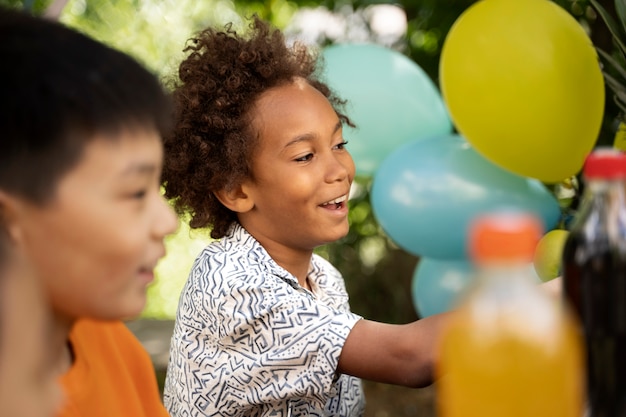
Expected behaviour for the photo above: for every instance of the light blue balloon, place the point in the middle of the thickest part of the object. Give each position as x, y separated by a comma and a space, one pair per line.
438, 285
426, 193
390, 99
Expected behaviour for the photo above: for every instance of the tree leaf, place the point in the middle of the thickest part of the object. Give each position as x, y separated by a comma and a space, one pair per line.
620, 8
615, 30
617, 87
621, 105
613, 62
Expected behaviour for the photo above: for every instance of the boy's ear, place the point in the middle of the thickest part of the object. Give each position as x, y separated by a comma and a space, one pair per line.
9, 216
235, 198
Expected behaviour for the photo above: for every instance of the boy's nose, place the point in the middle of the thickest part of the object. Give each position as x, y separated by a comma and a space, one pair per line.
340, 167
166, 221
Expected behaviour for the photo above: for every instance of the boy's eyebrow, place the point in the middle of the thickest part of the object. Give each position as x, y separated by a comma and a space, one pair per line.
142, 168
308, 136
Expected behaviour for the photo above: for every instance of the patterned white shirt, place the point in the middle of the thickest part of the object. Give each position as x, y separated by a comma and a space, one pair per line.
250, 341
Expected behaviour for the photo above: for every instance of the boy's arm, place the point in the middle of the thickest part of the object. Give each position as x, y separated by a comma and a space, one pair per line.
391, 353
402, 354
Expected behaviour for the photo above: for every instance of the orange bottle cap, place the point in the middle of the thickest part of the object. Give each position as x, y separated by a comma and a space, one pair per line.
504, 236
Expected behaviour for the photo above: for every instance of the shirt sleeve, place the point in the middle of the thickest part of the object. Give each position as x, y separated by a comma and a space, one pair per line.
252, 338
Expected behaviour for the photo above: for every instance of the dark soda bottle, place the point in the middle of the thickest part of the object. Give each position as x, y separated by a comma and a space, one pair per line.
594, 280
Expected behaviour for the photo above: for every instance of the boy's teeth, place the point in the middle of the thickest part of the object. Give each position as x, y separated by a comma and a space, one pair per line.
335, 201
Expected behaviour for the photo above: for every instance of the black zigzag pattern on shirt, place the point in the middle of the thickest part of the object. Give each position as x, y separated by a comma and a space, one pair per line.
249, 341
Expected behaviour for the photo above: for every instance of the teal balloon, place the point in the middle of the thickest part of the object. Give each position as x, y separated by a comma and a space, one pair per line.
389, 97
425, 194
438, 285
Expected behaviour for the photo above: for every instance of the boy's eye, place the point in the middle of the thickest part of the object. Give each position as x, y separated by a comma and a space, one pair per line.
305, 158
341, 145
139, 194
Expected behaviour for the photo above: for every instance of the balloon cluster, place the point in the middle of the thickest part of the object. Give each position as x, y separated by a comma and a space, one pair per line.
520, 82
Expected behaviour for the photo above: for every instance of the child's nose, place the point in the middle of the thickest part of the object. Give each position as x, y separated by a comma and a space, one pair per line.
339, 167
166, 221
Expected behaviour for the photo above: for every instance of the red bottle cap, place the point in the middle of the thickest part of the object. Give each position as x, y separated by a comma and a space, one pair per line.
605, 163
504, 236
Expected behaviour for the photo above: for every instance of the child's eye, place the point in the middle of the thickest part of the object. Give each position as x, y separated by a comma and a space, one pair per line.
341, 145
140, 194
305, 158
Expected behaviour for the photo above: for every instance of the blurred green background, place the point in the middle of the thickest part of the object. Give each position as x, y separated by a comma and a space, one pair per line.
378, 274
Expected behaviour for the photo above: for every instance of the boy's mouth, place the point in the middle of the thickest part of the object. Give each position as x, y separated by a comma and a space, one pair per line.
146, 274
335, 204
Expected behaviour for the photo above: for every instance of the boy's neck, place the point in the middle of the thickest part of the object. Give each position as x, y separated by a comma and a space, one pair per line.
296, 262
298, 267
60, 348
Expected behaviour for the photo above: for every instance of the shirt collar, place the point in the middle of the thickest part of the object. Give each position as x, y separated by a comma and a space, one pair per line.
239, 237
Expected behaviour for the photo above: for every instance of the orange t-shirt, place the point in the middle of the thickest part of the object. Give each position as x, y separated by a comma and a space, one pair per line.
112, 374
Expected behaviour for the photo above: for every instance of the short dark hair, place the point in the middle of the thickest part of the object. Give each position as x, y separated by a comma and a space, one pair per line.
60, 89
219, 81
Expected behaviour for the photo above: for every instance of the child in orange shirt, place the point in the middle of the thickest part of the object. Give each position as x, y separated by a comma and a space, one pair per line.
80, 175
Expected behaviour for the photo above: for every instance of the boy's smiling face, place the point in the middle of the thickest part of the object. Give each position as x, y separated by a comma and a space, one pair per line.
96, 243
302, 172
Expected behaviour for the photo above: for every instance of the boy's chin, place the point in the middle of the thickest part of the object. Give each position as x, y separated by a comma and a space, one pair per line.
338, 236
128, 311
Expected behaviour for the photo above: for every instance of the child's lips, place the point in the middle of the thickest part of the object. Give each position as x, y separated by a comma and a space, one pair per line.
146, 274
336, 208
336, 201
333, 206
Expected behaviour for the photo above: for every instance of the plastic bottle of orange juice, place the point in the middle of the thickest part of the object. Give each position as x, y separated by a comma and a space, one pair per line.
510, 350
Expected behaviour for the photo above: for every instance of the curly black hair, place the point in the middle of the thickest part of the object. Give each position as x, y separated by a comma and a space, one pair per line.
219, 81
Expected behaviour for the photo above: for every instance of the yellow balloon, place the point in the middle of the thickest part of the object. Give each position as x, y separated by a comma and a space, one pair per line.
548, 254
522, 83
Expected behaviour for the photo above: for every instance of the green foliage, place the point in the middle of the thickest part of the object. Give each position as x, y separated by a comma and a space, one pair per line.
171, 272
279, 12
614, 69
429, 22
154, 32
35, 6
378, 273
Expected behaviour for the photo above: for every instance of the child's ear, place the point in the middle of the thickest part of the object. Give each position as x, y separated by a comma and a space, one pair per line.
9, 216
235, 198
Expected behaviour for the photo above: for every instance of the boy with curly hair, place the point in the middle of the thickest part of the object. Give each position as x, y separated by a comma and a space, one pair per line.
80, 174
264, 325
